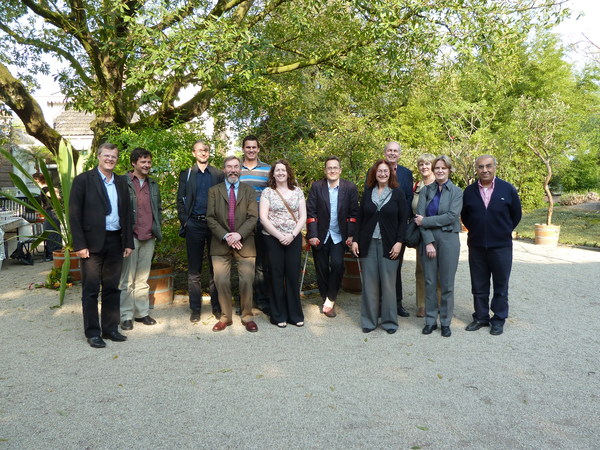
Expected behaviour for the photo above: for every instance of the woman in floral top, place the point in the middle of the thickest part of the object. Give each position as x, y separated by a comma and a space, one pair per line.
282, 215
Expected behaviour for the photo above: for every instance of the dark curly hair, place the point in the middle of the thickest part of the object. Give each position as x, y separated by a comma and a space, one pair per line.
372, 175
291, 181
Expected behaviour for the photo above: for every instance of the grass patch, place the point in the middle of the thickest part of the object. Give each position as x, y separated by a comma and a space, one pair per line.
577, 227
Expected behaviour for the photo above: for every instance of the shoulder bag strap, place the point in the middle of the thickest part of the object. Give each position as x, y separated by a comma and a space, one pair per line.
286, 205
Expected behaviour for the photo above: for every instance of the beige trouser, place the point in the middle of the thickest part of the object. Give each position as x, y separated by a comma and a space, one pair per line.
222, 277
134, 280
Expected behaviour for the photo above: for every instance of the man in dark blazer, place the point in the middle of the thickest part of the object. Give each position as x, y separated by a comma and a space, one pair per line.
192, 203
332, 209
392, 152
100, 219
491, 211
232, 216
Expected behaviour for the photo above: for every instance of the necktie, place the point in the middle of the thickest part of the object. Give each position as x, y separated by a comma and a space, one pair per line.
231, 214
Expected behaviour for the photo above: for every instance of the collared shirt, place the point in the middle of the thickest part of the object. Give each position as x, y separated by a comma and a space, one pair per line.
112, 218
203, 182
236, 187
486, 192
334, 226
143, 214
257, 177
434, 205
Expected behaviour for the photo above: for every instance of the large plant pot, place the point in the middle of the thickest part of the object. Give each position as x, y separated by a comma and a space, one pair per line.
351, 280
161, 284
546, 234
75, 269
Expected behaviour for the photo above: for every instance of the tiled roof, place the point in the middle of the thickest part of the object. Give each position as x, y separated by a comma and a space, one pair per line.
74, 123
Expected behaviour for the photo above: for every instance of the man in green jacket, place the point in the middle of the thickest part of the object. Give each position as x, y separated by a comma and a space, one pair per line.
146, 210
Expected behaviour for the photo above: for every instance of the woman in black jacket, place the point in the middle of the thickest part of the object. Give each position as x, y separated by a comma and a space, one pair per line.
381, 228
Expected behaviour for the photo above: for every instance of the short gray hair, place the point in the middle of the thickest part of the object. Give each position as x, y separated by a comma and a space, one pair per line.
107, 146
486, 156
231, 158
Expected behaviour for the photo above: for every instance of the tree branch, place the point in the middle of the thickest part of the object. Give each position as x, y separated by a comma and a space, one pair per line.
18, 99
50, 48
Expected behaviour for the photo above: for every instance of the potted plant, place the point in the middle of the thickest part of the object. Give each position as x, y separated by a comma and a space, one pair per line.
60, 205
545, 126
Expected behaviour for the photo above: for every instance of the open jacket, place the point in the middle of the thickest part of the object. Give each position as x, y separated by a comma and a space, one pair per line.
89, 206
392, 219
318, 210
448, 216
246, 216
155, 203
186, 193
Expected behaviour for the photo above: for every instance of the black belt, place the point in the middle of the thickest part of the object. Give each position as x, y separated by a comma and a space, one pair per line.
200, 217
113, 231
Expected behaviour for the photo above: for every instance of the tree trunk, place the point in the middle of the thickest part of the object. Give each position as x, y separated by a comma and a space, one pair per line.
548, 193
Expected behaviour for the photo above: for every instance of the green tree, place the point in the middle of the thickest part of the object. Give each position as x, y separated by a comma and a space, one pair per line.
141, 64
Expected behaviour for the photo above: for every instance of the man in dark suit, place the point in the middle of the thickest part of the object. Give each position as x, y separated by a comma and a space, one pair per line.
192, 203
404, 176
491, 211
100, 220
331, 209
232, 216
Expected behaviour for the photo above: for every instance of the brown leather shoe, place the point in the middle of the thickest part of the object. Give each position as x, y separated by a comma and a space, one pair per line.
331, 313
250, 326
421, 312
220, 326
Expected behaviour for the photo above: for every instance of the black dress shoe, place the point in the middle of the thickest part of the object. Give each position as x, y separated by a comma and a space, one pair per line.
391, 330
476, 325
114, 336
96, 342
428, 329
147, 320
195, 317
367, 330
446, 331
127, 325
403, 312
497, 329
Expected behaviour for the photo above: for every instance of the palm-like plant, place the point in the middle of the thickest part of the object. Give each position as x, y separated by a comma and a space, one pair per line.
60, 204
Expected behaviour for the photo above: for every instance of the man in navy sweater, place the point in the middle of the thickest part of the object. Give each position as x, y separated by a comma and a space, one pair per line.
491, 211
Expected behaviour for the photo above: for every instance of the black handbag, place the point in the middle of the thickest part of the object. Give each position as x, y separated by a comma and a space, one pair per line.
413, 234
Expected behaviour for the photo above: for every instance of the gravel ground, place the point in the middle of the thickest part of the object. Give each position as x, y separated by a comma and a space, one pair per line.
326, 385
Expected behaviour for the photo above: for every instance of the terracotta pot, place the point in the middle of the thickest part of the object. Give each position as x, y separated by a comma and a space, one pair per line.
546, 234
351, 280
75, 270
161, 284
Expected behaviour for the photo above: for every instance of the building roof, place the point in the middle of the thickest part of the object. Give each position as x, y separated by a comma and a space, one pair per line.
74, 123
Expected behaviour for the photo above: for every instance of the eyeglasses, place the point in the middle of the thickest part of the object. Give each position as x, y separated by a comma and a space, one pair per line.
332, 169
110, 157
383, 172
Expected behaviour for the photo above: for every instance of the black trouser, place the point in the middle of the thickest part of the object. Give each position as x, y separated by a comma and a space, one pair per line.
262, 274
494, 263
285, 275
102, 269
329, 266
197, 238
